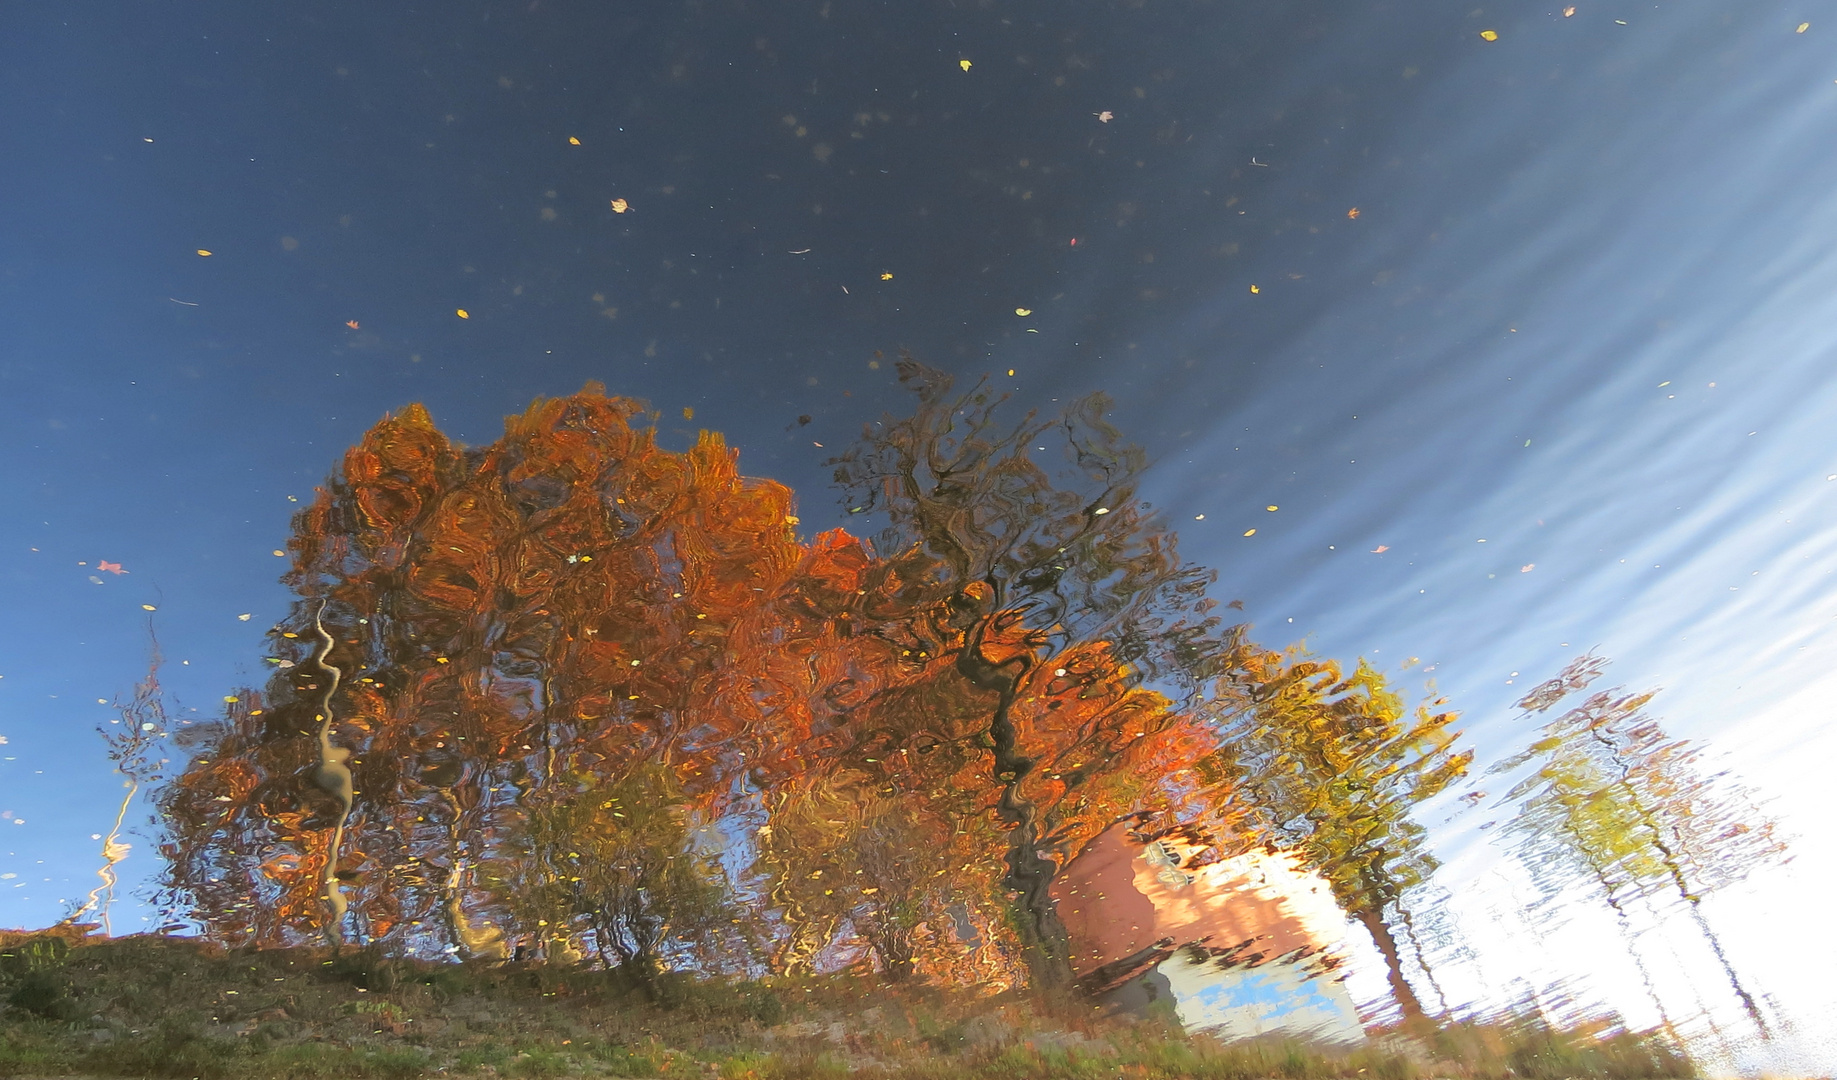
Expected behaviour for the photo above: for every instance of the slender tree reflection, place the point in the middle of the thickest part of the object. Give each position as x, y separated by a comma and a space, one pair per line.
134, 740
1333, 765
1607, 800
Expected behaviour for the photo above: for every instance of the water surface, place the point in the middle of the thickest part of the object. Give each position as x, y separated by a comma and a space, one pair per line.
1524, 336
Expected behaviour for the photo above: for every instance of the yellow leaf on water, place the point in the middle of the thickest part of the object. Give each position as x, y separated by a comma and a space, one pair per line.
572, 141
1804, 26
619, 206
688, 412
148, 607
463, 313
1250, 532
964, 64
1023, 312
204, 253
1568, 11
888, 276
1271, 509
1490, 35
1254, 289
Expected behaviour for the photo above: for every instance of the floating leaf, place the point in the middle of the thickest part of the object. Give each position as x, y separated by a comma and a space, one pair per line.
619, 206
1490, 35
964, 64
463, 313
1023, 312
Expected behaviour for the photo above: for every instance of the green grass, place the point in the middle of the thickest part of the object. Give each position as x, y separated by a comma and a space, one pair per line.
160, 1007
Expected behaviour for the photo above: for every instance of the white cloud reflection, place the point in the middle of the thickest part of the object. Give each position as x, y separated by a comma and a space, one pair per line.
1572, 227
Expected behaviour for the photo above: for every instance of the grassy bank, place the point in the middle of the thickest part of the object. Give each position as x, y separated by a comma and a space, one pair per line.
165, 1007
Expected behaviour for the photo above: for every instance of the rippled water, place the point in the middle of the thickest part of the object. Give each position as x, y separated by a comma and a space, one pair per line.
1464, 341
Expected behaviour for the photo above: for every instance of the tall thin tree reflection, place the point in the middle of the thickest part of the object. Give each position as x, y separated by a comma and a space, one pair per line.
1605, 798
1332, 765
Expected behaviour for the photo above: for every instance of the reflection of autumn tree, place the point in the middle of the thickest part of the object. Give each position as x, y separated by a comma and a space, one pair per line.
997, 563
849, 855
557, 600
1614, 801
242, 849
1332, 765
615, 862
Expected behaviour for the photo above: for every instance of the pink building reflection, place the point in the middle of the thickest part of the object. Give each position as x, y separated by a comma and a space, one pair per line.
1243, 946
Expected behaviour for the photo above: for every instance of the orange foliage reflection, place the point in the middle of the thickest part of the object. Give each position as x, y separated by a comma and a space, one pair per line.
597, 697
